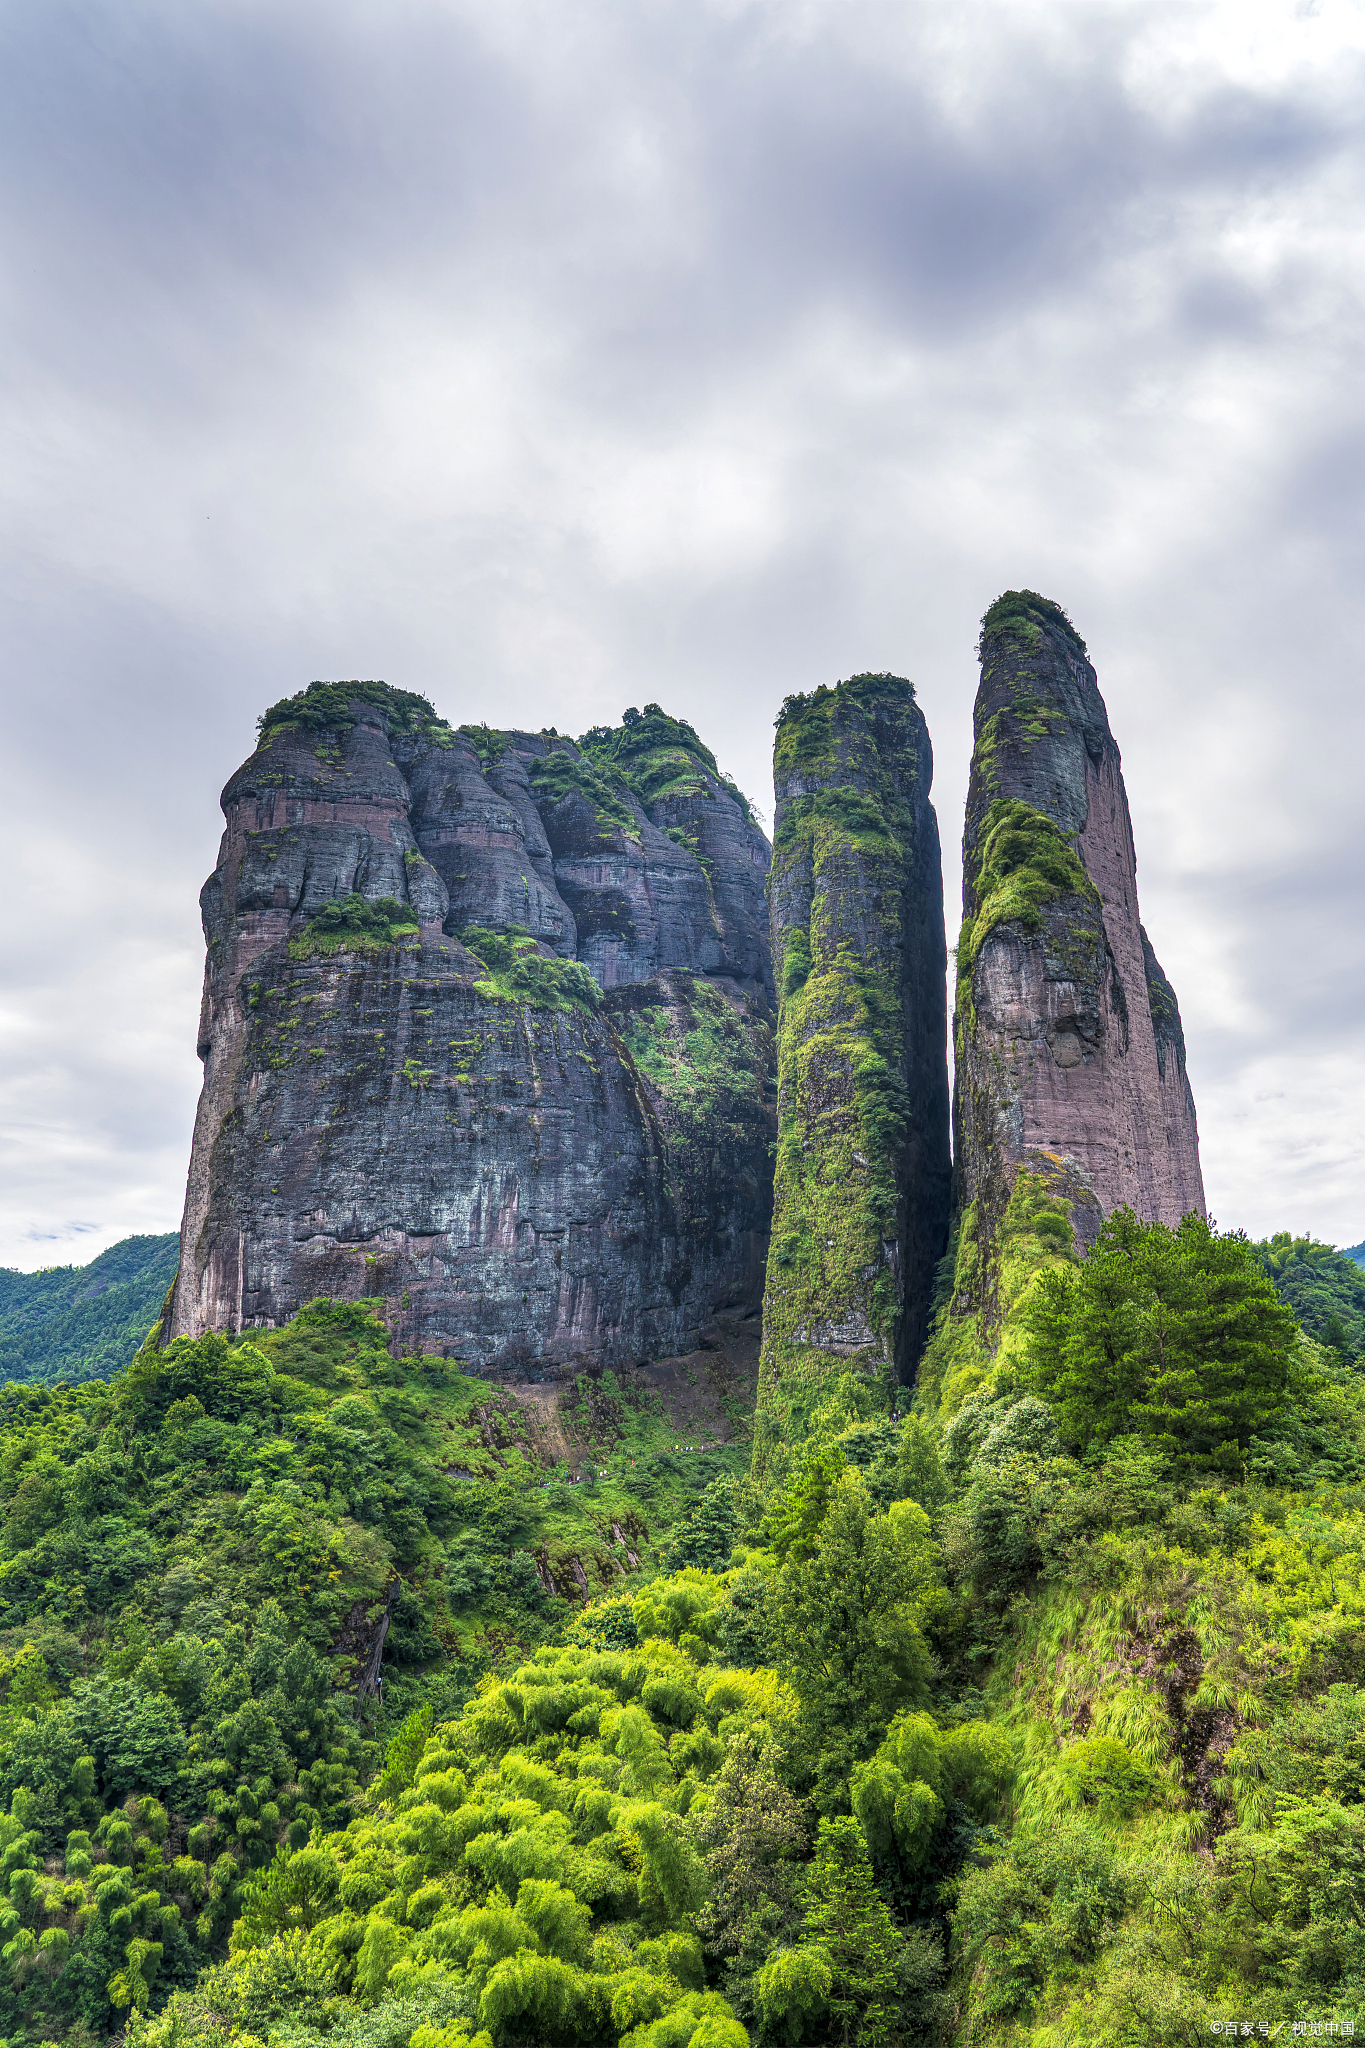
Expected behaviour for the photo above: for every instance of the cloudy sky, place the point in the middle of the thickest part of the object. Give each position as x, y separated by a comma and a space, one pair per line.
548, 358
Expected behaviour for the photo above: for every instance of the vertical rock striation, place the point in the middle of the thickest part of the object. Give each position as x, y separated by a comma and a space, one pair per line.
1070, 1054
487, 1032
863, 1180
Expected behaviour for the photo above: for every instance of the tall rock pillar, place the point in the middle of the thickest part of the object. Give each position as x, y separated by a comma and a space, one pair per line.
482, 1038
1070, 1053
863, 1177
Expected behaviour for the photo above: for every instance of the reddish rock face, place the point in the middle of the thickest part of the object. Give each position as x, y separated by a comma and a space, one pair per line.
507, 1154
1070, 1054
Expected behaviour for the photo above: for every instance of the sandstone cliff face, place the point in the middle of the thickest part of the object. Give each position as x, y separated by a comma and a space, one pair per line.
487, 1033
862, 1192
1070, 1054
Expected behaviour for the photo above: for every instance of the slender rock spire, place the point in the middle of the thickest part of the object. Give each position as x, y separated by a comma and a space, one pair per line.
1070, 1054
862, 1187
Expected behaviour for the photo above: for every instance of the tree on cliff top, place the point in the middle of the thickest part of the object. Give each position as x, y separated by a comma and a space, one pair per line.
1172, 1334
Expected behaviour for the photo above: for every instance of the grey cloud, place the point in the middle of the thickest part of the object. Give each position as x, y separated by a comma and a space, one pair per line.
549, 359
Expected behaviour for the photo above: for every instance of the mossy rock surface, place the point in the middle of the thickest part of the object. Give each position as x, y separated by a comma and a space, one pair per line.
860, 1193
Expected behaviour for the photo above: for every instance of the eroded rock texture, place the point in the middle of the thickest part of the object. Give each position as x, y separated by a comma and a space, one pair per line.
1070, 1053
516, 1080
863, 1179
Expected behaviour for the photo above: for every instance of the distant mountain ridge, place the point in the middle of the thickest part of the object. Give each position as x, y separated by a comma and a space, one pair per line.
1356, 1252
80, 1323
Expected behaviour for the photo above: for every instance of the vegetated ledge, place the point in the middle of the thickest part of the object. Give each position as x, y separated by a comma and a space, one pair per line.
357, 925
519, 972
658, 757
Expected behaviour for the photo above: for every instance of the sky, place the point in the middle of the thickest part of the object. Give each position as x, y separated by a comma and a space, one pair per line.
548, 359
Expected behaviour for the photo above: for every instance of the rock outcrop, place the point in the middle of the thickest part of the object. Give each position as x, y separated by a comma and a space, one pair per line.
487, 1032
1070, 1053
863, 1181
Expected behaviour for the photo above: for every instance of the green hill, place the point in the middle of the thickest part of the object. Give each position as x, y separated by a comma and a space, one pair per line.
1324, 1287
79, 1323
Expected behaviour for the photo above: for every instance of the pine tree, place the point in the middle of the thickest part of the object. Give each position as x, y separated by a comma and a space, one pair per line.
1172, 1334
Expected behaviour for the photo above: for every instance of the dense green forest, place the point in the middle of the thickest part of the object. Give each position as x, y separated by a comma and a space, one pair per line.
84, 1322
1035, 1715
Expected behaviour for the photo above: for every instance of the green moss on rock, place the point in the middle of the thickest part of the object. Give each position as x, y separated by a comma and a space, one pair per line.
983, 1283
489, 742
1024, 864
707, 1061
562, 774
517, 971
846, 862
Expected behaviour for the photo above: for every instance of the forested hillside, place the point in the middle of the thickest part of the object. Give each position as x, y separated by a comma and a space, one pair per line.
1324, 1287
84, 1322
1037, 1715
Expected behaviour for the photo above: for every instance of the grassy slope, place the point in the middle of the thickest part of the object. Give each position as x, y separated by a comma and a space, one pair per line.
1168, 1672
1177, 1665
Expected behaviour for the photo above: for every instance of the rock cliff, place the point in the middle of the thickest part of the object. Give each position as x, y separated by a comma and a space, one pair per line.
863, 1179
1070, 1053
487, 1032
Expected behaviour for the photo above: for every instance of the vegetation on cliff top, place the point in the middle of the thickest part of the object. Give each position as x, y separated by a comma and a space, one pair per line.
561, 774
1025, 611
328, 707
806, 735
78, 1323
657, 757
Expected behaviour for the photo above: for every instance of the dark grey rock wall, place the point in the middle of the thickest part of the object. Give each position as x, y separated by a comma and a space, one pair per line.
530, 1180
863, 1180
